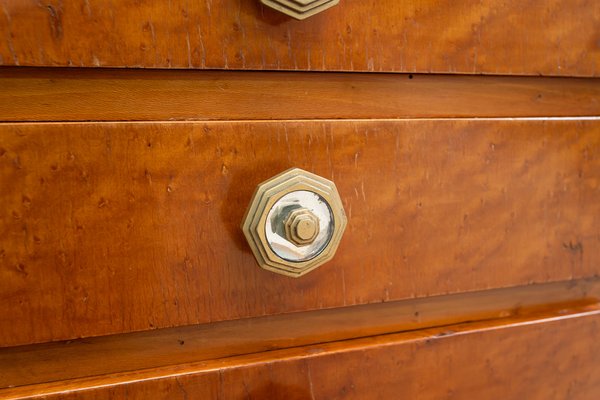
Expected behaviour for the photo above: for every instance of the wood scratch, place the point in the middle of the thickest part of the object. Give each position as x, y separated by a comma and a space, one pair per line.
243, 32
287, 142
189, 49
288, 35
202, 49
153, 33
225, 59
344, 286
181, 388
11, 46
55, 20
310, 381
221, 384
362, 190
88, 9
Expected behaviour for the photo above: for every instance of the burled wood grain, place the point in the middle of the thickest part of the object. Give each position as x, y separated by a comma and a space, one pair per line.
552, 355
76, 94
532, 37
117, 227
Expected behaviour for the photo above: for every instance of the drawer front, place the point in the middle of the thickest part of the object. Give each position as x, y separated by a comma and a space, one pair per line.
117, 227
532, 37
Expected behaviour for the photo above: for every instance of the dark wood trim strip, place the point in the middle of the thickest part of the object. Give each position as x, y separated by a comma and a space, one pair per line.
62, 94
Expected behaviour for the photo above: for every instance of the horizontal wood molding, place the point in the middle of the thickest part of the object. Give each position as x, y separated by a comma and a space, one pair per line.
109, 228
27, 365
229, 358
532, 37
31, 94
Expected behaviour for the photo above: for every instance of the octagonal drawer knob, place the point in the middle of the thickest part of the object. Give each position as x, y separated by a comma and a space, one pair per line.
294, 222
300, 9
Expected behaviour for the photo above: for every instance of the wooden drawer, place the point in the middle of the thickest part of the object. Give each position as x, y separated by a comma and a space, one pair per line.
532, 37
117, 227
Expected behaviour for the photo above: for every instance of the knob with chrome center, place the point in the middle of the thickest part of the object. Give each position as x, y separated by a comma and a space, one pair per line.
294, 222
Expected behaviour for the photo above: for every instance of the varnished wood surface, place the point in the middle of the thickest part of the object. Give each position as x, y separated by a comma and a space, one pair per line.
544, 356
32, 94
117, 227
101, 356
550, 37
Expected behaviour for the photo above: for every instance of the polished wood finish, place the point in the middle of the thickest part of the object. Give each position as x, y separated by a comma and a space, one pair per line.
32, 94
469, 268
531, 37
117, 227
509, 358
60, 361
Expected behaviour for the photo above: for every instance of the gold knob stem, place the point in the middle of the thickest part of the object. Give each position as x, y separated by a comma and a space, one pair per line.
301, 227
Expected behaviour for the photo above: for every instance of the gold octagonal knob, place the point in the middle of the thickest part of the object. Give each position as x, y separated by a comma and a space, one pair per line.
300, 9
294, 222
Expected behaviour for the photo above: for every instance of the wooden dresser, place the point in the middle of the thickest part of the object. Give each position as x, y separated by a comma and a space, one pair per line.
463, 138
